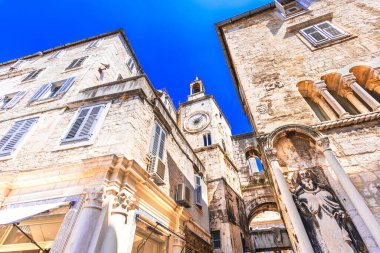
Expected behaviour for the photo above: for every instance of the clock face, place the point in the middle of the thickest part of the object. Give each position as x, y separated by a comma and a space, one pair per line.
197, 122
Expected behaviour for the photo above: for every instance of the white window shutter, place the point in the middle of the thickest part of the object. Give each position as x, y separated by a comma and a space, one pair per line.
66, 86
90, 122
158, 141
40, 91
162, 145
83, 126
198, 190
15, 99
155, 140
14, 136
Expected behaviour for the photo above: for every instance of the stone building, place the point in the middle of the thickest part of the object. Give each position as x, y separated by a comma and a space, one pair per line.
308, 77
92, 159
209, 133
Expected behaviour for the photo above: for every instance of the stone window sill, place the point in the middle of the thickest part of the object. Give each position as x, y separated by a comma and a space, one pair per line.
327, 44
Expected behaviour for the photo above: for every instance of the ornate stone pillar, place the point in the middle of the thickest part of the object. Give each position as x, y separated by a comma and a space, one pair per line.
350, 80
82, 233
322, 89
355, 197
286, 197
325, 107
356, 102
120, 230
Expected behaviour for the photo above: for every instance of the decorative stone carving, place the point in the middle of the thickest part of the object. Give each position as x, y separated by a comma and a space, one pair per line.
123, 202
272, 86
94, 197
328, 225
271, 154
262, 109
323, 143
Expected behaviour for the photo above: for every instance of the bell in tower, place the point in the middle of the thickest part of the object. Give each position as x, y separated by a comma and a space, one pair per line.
197, 89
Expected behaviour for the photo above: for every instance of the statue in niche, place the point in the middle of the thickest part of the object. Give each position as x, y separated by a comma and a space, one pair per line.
329, 227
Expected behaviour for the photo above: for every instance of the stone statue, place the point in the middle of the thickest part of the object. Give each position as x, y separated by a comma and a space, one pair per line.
329, 227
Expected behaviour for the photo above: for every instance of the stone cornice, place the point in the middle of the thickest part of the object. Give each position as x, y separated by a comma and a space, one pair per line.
342, 122
348, 121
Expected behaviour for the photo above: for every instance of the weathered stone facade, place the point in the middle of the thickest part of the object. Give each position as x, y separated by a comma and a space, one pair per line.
107, 176
314, 106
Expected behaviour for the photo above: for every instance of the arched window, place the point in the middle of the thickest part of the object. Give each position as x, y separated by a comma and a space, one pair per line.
196, 88
316, 102
253, 160
207, 139
368, 79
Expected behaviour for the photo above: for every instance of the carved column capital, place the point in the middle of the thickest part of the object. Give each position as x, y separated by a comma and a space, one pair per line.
349, 79
94, 197
123, 202
320, 86
323, 144
271, 154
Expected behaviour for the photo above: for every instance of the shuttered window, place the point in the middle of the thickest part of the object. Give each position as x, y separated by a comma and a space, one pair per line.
9, 101
131, 64
198, 191
77, 63
157, 146
84, 124
10, 141
93, 44
32, 75
17, 64
53, 90
321, 33
56, 54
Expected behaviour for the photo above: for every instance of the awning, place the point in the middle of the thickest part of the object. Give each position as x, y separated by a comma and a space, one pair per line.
15, 215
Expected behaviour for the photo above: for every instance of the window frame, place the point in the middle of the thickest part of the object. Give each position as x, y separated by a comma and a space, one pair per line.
207, 140
32, 75
94, 44
62, 89
198, 191
327, 36
13, 100
18, 64
219, 241
56, 55
69, 68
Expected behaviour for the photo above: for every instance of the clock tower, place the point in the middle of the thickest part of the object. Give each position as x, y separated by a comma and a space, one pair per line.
207, 130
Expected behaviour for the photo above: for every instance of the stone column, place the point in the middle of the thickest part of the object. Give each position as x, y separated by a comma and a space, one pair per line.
322, 89
351, 82
120, 233
355, 197
325, 107
82, 233
356, 102
287, 199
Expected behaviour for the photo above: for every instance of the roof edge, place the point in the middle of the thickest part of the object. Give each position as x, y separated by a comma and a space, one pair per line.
99, 36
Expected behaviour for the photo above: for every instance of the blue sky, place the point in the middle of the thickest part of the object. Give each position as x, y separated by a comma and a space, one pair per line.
174, 40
